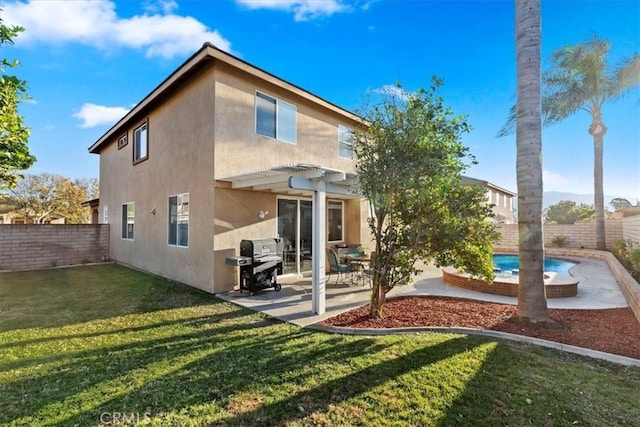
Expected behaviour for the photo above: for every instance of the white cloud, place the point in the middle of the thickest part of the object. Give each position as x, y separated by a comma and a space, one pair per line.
554, 182
393, 90
160, 6
95, 115
303, 10
158, 31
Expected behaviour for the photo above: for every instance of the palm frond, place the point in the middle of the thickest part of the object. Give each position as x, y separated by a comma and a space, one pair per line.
509, 127
626, 77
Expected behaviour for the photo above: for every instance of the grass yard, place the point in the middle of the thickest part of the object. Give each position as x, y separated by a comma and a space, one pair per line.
106, 344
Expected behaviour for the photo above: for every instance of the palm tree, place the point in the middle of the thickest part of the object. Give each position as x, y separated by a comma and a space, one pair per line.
580, 79
532, 302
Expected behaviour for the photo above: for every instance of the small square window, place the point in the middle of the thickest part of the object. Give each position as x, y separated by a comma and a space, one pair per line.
122, 141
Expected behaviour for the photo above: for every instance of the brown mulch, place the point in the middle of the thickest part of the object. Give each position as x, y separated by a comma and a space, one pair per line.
613, 330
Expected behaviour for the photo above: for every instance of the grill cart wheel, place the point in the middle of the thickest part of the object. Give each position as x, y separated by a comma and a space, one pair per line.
277, 287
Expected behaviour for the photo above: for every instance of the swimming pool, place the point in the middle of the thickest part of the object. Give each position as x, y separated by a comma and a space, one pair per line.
512, 262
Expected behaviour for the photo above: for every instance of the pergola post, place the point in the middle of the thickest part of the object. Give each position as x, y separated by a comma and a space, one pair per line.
319, 247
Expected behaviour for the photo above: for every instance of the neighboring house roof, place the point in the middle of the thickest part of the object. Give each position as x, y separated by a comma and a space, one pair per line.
466, 180
202, 59
92, 203
20, 214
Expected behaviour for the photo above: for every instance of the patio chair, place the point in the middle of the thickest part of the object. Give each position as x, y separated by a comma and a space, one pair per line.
368, 272
335, 266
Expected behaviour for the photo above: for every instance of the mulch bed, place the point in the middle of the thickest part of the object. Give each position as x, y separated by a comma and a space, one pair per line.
613, 330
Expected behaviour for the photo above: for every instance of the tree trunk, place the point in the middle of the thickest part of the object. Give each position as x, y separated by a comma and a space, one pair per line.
532, 302
598, 129
378, 296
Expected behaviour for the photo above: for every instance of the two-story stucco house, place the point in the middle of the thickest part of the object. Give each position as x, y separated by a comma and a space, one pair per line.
205, 160
500, 198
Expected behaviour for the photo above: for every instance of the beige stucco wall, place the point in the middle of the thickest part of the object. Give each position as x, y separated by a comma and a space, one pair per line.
239, 149
180, 134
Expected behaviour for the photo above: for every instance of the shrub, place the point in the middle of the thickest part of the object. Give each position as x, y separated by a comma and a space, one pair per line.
628, 253
559, 241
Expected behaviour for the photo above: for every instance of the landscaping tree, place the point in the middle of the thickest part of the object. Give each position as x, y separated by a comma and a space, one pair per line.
71, 195
14, 153
567, 212
532, 302
581, 80
620, 203
409, 159
38, 196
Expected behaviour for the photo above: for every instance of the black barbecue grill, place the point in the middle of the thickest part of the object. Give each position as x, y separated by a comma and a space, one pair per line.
260, 261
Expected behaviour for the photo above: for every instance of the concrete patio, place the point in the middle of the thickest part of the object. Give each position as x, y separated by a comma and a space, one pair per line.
597, 289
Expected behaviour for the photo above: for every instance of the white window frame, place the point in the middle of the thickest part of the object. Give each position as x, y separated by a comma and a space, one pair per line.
178, 196
136, 157
125, 222
123, 141
279, 103
342, 230
341, 131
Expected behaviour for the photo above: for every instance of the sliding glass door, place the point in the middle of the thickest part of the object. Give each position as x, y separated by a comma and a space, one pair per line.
295, 229
295, 226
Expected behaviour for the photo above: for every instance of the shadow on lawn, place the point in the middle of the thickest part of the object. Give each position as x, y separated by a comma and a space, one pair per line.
218, 377
64, 296
503, 392
204, 366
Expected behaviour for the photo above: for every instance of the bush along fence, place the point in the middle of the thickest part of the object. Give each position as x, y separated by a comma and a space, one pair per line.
34, 246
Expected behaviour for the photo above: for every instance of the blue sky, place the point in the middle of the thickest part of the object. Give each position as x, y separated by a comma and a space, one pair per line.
88, 62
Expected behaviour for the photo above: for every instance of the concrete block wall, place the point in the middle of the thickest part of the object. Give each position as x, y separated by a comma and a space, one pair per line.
631, 227
581, 235
33, 246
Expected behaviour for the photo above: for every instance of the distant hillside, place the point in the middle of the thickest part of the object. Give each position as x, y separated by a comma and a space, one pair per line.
552, 197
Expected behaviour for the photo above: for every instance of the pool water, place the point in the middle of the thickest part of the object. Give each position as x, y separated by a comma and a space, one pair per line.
511, 262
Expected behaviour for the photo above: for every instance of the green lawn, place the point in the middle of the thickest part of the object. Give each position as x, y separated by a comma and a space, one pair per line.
105, 343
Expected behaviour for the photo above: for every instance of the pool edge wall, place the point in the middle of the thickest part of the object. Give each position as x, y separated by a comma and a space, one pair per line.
509, 289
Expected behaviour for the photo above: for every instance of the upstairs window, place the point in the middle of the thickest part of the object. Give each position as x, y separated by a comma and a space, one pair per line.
128, 219
179, 220
275, 118
140, 143
122, 141
345, 142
